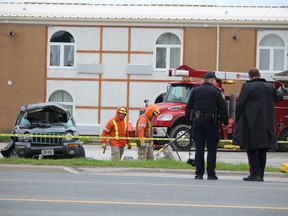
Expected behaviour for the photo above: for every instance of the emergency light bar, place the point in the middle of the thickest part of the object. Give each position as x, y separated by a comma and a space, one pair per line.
186, 73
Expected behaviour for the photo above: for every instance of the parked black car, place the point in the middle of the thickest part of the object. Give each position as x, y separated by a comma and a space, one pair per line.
48, 130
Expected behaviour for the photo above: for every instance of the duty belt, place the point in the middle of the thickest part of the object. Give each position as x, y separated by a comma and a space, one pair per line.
199, 115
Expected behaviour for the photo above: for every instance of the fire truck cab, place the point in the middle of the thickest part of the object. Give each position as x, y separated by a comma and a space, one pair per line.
172, 123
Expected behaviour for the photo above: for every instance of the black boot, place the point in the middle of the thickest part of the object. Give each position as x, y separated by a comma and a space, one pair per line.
253, 178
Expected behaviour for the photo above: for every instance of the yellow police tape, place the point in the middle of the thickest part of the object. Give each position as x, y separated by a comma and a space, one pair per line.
119, 138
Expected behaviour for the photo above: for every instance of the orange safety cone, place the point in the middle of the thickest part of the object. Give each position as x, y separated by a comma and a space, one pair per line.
130, 129
131, 132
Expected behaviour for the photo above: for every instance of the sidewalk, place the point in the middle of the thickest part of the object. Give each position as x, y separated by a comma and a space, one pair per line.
175, 172
274, 159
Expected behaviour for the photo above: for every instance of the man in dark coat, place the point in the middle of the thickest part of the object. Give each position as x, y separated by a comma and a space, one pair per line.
254, 130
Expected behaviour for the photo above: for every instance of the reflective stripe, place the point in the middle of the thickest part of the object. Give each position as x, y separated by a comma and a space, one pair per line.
116, 129
149, 128
106, 130
149, 134
142, 125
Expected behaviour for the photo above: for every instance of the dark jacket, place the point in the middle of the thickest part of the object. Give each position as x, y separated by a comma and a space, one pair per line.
207, 98
255, 118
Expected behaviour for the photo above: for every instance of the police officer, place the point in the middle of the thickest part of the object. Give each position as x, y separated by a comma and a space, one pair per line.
205, 108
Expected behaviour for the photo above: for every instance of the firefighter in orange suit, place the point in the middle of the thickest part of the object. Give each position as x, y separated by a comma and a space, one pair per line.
116, 128
144, 130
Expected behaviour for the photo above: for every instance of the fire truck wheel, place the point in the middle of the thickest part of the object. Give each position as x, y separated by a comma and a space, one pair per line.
178, 131
283, 137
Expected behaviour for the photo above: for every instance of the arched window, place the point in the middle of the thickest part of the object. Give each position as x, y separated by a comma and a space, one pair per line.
63, 97
62, 50
168, 51
271, 53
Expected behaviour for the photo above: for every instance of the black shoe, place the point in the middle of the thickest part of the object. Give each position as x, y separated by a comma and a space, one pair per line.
212, 177
198, 177
253, 178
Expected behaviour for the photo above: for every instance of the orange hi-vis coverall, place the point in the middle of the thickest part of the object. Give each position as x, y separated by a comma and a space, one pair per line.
144, 130
116, 128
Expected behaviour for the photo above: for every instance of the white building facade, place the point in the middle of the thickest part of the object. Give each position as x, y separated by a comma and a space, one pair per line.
100, 57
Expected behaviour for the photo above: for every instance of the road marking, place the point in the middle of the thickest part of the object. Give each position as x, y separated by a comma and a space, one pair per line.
145, 204
71, 170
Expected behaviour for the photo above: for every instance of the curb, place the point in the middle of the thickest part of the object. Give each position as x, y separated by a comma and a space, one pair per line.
120, 170
124, 170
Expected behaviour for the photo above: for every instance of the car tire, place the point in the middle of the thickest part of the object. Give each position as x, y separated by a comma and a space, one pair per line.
81, 152
178, 131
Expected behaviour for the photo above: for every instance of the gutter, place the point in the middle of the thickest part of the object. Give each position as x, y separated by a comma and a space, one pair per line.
141, 22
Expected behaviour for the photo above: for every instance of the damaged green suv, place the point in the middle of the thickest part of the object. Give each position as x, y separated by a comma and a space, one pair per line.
48, 131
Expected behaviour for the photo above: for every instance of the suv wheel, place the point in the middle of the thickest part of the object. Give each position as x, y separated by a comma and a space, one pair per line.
81, 152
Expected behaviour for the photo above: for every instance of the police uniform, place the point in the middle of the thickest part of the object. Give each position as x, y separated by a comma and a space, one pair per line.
205, 108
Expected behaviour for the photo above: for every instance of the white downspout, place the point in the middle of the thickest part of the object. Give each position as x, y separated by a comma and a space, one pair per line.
217, 47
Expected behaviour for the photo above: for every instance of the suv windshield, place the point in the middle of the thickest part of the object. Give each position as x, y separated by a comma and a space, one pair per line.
42, 117
178, 93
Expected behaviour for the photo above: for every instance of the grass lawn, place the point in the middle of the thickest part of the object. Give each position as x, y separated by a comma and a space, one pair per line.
157, 164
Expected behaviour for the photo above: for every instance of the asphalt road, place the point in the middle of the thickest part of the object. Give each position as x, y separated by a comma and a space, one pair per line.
51, 190
30, 190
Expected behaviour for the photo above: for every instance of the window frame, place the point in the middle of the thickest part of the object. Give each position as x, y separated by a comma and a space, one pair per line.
272, 50
62, 52
72, 104
168, 48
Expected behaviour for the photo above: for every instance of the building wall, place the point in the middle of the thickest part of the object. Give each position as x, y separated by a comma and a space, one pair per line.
200, 48
235, 55
22, 70
238, 54
112, 50
97, 95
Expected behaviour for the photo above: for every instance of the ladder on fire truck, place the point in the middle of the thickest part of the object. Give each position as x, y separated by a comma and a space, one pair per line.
185, 71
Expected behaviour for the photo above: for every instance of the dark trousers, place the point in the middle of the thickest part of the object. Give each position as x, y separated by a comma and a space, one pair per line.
205, 132
257, 161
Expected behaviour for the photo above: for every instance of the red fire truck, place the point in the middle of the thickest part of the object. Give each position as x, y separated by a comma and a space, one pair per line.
171, 123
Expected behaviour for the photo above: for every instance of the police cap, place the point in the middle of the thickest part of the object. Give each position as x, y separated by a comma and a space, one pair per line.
209, 75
